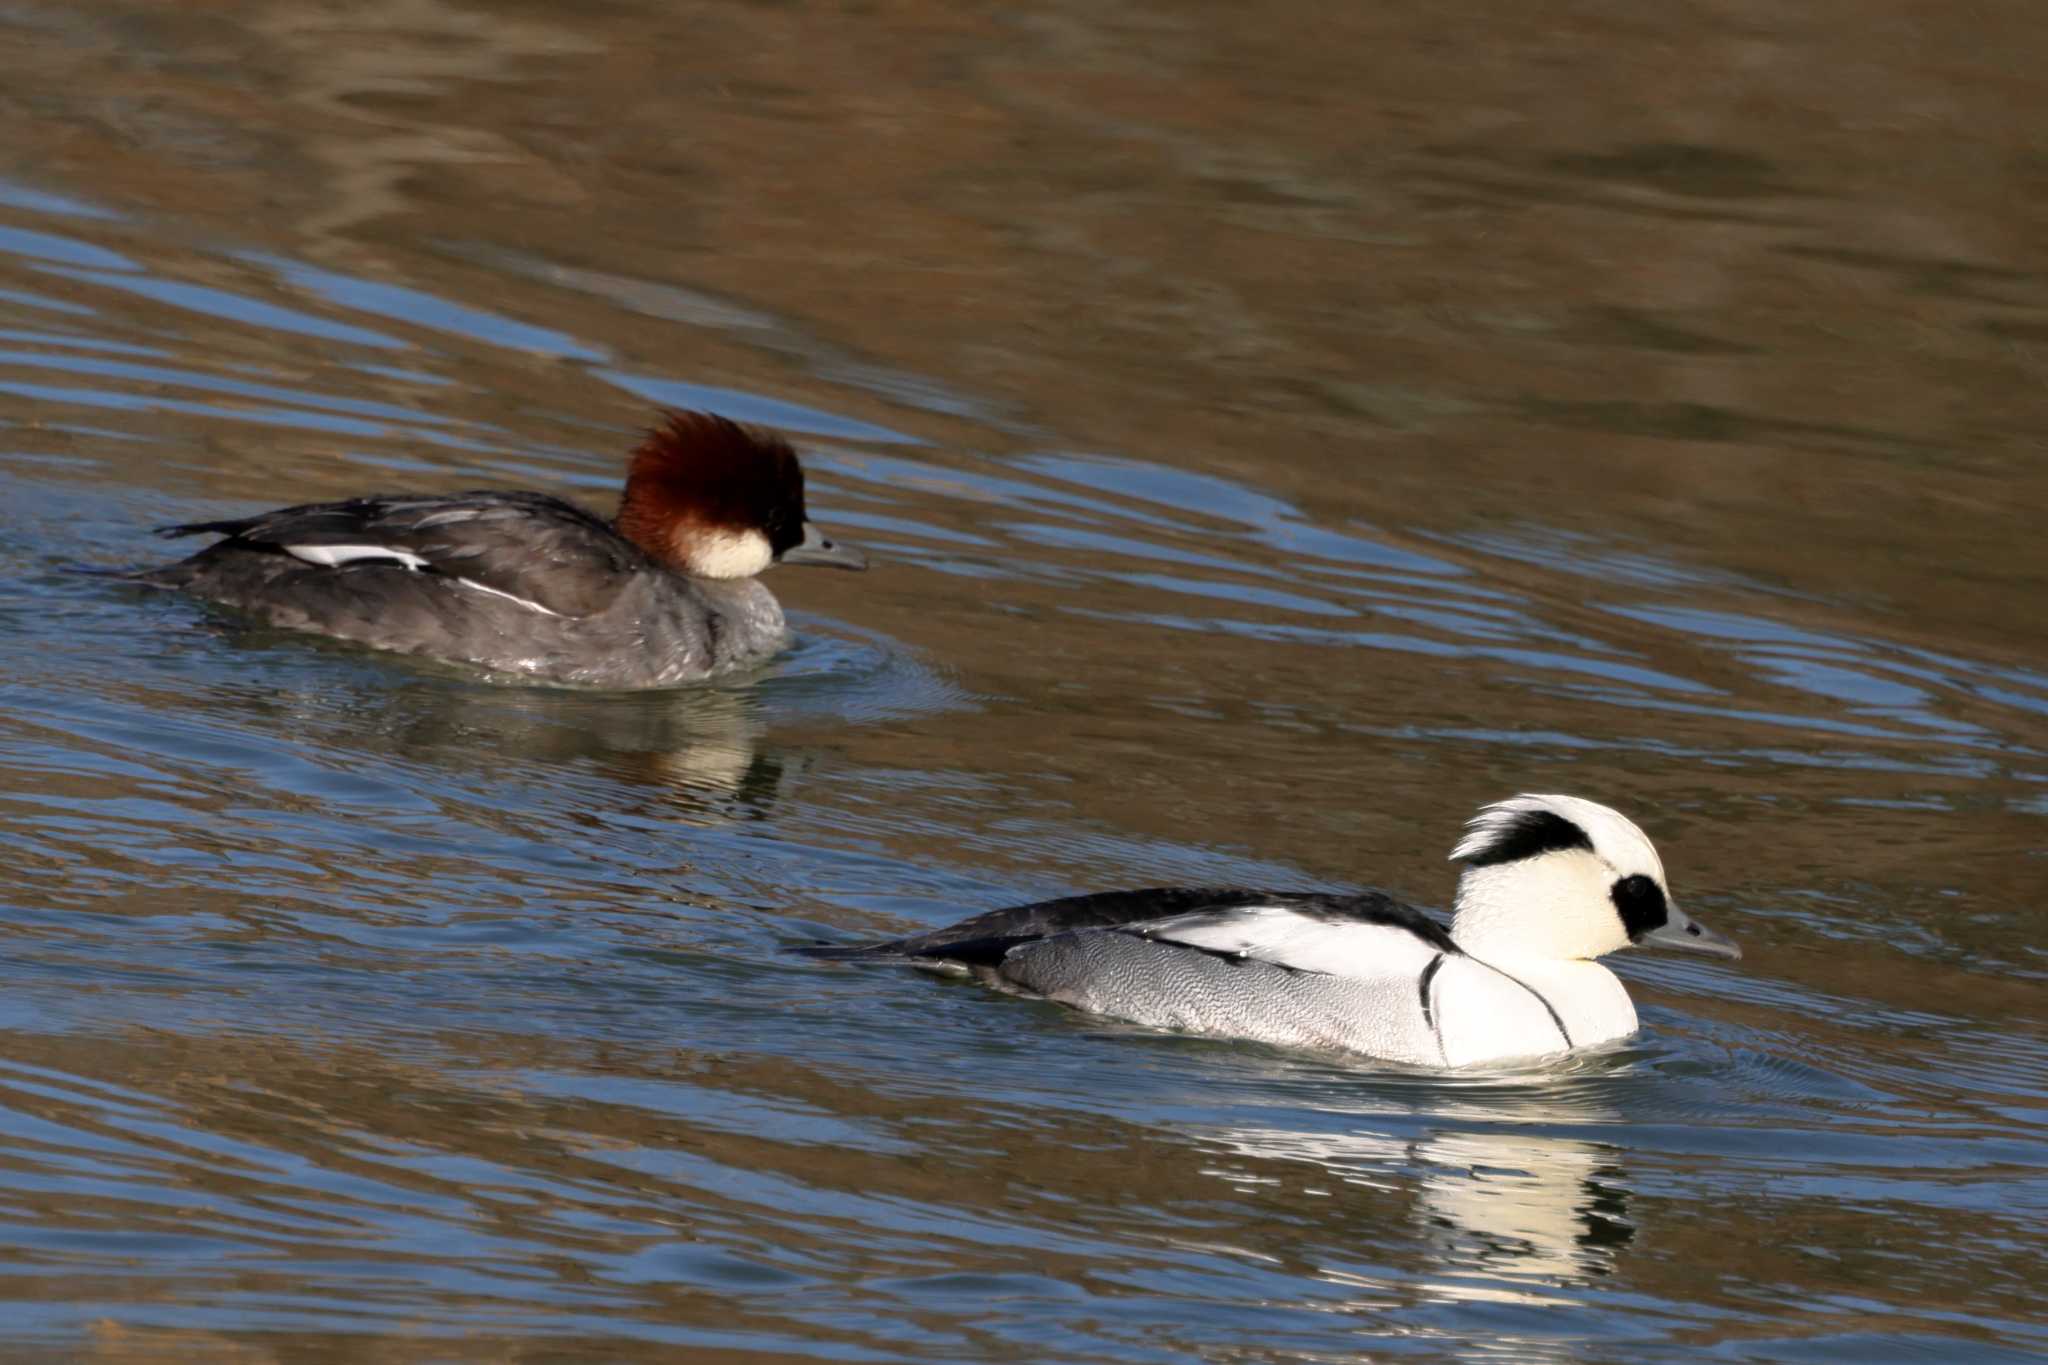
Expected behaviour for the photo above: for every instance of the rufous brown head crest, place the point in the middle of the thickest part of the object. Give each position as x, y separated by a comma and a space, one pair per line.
699, 471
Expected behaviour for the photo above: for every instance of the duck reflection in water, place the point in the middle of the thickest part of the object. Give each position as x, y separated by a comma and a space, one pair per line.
1510, 1210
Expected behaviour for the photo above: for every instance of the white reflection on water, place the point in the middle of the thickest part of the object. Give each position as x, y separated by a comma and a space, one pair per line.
1510, 1213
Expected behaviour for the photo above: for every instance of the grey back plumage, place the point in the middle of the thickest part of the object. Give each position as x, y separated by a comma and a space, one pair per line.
1166, 985
516, 582
531, 545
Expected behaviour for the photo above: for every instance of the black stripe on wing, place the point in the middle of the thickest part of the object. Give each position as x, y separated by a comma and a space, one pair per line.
309, 523
986, 938
200, 528
402, 517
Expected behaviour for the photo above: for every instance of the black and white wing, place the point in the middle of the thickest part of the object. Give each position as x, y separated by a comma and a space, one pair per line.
1360, 937
1367, 933
529, 546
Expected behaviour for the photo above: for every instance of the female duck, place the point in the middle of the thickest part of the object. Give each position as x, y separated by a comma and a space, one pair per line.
527, 584
1550, 883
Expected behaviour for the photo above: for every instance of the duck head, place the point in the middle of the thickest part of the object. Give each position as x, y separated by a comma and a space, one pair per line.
1560, 877
710, 498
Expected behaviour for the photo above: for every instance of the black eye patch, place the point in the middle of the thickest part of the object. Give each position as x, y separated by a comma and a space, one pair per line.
1640, 902
785, 532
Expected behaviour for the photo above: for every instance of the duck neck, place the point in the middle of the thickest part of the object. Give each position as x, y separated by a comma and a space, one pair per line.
1535, 924
1547, 909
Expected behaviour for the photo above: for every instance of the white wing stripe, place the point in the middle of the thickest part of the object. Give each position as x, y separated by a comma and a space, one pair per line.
509, 597
334, 556
1287, 938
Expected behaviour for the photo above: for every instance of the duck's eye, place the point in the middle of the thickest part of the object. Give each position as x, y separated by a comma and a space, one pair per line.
1640, 903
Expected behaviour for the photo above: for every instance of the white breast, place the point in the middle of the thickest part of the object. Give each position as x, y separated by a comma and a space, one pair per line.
1486, 1013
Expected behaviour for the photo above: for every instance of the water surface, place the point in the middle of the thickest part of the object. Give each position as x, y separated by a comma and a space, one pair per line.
1277, 433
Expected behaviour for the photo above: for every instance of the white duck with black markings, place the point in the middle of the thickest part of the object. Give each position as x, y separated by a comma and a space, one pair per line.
1550, 884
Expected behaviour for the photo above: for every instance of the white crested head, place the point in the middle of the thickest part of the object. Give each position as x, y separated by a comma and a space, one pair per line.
1509, 830
1561, 877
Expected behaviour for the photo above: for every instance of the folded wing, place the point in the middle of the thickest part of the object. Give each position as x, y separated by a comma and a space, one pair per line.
538, 549
1362, 934
1357, 937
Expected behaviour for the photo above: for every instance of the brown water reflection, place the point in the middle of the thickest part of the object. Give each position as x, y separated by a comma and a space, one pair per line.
1282, 429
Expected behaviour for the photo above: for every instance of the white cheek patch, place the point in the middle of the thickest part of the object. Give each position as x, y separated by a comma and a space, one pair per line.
527, 603
724, 554
334, 556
